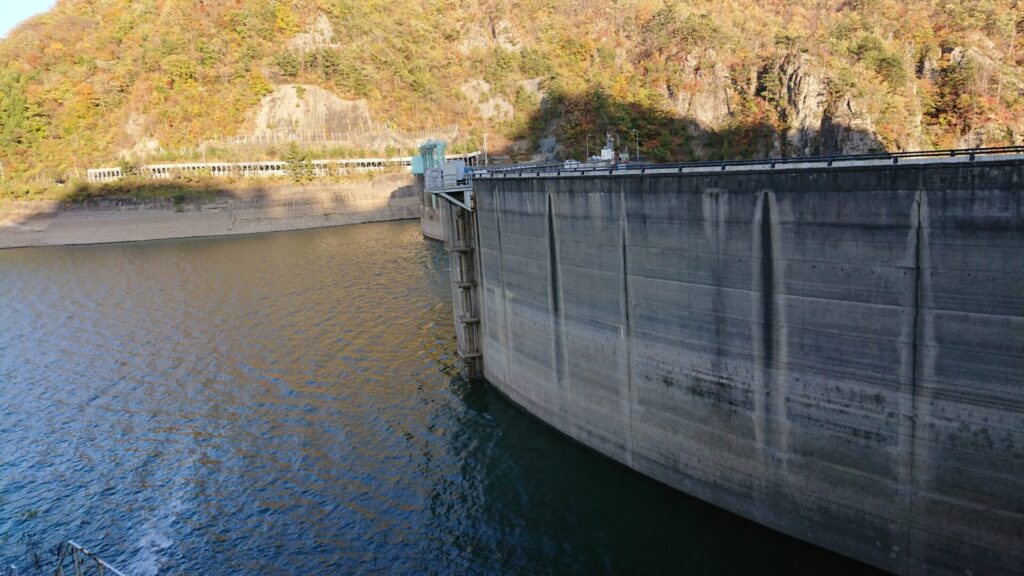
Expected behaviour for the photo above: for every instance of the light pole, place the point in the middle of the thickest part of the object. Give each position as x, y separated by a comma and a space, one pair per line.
587, 159
636, 135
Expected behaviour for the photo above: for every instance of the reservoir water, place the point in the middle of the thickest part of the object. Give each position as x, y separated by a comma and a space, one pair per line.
289, 404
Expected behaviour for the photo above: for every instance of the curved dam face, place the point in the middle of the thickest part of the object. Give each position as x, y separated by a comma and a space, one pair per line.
835, 353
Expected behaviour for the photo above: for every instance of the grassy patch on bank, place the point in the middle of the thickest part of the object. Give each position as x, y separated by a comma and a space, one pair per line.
178, 192
11, 192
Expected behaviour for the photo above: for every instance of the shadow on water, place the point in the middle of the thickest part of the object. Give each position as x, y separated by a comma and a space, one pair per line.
570, 510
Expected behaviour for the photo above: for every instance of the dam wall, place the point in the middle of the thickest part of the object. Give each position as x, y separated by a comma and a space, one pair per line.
836, 353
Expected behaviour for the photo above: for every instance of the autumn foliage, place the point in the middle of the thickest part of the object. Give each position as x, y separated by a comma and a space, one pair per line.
91, 78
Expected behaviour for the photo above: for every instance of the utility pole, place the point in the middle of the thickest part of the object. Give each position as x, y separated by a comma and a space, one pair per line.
587, 159
636, 135
485, 148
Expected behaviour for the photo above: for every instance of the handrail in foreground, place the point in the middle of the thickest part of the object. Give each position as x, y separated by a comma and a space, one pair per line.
81, 561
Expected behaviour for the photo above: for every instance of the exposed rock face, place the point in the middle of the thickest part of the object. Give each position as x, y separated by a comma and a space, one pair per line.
846, 130
928, 67
319, 35
500, 34
806, 96
135, 126
144, 148
532, 86
816, 123
705, 96
820, 124
310, 110
980, 136
548, 147
489, 106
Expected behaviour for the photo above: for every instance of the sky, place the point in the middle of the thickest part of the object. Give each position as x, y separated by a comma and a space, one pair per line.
14, 12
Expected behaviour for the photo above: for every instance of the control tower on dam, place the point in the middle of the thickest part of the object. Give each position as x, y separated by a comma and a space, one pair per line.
834, 349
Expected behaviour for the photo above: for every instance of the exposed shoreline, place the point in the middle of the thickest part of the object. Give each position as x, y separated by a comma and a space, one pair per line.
265, 208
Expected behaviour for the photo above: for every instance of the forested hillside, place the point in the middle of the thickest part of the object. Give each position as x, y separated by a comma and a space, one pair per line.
93, 79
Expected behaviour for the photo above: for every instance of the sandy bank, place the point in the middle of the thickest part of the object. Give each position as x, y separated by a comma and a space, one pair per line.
267, 208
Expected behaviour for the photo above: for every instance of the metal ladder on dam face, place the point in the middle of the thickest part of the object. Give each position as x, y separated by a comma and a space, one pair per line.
460, 241
452, 183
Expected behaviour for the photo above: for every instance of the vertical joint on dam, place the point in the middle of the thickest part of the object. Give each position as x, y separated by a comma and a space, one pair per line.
558, 328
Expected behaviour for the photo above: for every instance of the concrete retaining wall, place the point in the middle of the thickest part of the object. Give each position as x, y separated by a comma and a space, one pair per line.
837, 354
268, 208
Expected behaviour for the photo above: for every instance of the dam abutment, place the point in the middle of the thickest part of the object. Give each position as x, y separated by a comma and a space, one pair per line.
430, 211
835, 353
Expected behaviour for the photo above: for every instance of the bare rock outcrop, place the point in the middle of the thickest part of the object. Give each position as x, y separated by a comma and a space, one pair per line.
533, 87
318, 35
817, 121
805, 99
820, 123
845, 129
145, 145
143, 148
705, 94
135, 125
499, 33
309, 110
490, 106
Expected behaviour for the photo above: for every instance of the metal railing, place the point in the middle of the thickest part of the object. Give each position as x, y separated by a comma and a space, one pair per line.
968, 154
82, 561
260, 169
523, 166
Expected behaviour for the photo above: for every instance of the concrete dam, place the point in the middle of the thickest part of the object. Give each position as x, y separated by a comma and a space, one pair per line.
834, 351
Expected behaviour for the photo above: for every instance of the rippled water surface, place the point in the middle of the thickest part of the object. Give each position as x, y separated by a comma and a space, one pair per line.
288, 404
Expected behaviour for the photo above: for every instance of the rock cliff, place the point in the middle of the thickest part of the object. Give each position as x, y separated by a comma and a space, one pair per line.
309, 110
